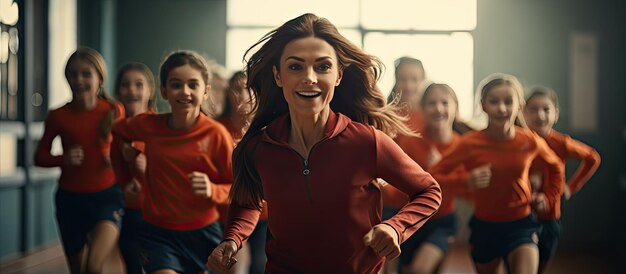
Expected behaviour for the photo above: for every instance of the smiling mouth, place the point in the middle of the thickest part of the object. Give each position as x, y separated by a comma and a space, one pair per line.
309, 94
183, 101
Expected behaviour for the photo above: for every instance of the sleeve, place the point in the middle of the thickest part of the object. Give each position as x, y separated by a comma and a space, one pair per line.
222, 156
43, 157
553, 187
451, 171
590, 161
397, 168
121, 168
241, 223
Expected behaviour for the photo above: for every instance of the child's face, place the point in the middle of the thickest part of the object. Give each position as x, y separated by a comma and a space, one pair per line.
439, 109
240, 98
309, 73
501, 105
185, 90
84, 80
409, 80
134, 91
541, 114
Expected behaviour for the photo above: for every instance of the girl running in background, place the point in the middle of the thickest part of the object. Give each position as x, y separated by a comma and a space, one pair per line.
315, 167
425, 251
88, 202
541, 113
498, 159
188, 169
236, 117
134, 87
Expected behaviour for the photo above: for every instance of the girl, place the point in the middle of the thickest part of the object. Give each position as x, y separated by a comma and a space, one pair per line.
498, 159
188, 169
542, 112
88, 202
425, 250
134, 86
316, 167
235, 118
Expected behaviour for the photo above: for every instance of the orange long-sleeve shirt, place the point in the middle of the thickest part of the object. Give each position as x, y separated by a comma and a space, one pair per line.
508, 195
79, 128
568, 148
419, 149
171, 156
321, 207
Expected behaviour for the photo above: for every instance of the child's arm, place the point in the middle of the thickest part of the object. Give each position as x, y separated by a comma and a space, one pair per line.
43, 157
553, 186
590, 161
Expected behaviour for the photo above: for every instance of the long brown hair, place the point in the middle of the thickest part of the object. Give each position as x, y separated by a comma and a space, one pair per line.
180, 58
143, 69
357, 97
94, 58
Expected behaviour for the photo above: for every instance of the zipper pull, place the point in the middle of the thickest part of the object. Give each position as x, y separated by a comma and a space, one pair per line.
306, 170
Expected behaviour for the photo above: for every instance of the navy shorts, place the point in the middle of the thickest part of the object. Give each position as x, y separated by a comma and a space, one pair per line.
491, 240
78, 213
129, 237
184, 251
436, 231
549, 234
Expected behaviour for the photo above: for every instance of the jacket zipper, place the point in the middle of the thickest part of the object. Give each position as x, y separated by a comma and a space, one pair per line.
306, 173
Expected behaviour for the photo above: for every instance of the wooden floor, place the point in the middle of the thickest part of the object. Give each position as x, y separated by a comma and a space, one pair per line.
51, 260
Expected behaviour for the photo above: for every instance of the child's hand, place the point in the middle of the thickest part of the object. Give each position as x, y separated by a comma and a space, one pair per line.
132, 190
434, 156
479, 177
540, 202
223, 257
567, 192
141, 163
384, 240
129, 152
200, 184
536, 181
75, 156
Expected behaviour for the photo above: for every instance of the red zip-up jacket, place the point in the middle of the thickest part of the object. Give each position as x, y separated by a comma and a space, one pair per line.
508, 195
320, 208
567, 148
418, 148
171, 156
79, 127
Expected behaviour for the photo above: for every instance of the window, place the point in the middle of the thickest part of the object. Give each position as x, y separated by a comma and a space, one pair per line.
436, 32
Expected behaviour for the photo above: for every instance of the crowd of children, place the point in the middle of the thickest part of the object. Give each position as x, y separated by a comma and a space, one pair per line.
299, 164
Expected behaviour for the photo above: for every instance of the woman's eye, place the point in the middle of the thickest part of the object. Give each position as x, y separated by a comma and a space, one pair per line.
323, 67
294, 67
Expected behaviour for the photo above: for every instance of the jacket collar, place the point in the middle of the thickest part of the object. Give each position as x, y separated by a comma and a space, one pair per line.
278, 131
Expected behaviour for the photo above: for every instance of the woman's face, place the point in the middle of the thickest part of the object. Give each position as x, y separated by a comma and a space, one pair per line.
409, 80
134, 91
439, 109
501, 105
309, 72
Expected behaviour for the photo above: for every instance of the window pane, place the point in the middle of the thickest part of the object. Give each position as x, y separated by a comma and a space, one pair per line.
272, 13
62, 20
419, 14
446, 58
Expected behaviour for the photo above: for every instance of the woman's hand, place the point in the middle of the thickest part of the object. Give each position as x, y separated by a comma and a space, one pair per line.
384, 240
223, 257
200, 184
479, 177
